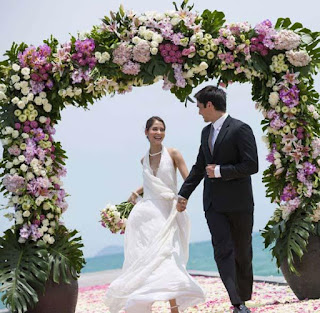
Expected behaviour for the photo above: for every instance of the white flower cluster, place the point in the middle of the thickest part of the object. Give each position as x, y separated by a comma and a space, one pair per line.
102, 57
152, 37
195, 69
298, 58
278, 64
70, 92
312, 109
274, 99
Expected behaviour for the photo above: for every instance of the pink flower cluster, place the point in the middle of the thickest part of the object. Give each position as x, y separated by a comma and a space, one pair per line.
38, 61
290, 96
13, 183
187, 51
180, 81
131, 68
286, 40
264, 41
288, 193
141, 52
122, 54
14, 150
171, 53
84, 53
39, 186
85, 58
30, 231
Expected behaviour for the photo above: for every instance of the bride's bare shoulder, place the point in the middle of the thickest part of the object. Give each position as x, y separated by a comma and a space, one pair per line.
174, 153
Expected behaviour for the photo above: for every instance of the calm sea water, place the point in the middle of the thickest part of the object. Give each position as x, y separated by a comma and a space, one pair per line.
201, 258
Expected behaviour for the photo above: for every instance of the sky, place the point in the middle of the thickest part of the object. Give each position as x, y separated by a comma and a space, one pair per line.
105, 144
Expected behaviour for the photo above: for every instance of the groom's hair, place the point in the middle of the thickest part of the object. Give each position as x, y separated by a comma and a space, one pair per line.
211, 93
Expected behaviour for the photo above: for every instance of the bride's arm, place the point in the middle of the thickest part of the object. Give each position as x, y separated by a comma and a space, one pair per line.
179, 162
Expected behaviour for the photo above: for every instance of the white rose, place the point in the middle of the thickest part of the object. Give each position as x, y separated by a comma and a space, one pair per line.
45, 237
24, 135
45, 101
70, 92
15, 161
203, 73
16, 67
9, 165
203, 65
157, 38
26, 213
25, 90
148, 35
106, 56
39, 200
30, 96
48, 162
21, 158
13, 171
136, 40
273, 99
21, 105
15, 134
43, 173
46, 206
30, 176
51, 230
50, 216
26, 77
15, 78
316, 115
34, 162
175, 21
15, 100
42, 119
15, 199
42, 94
17, 86
2, 96
53, 223
37, 100
9, 130
47, 107
25, 71
24, 100
3, 88
23, 84
6, 141
154, 44
154, 51
97, 55
311, 108
51, 240
24, 167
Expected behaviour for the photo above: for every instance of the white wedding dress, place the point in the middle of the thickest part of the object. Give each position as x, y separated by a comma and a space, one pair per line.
156, 248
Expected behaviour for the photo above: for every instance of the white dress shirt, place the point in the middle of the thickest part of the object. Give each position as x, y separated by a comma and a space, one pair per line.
217, 127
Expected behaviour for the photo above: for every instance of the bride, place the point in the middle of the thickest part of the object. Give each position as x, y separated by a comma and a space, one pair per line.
156, 243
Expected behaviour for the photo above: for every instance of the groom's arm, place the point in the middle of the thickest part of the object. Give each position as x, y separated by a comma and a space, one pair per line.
196, 175
248, 164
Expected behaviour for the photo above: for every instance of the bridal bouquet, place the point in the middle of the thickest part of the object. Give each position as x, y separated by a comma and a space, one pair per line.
115, 217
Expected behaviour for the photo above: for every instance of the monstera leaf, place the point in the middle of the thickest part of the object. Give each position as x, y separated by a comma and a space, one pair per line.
65, 256
24, 270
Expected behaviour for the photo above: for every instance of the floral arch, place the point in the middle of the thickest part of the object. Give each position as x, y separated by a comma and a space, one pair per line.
184, 49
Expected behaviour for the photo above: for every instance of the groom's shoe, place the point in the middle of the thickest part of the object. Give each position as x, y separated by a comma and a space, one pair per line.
241, 309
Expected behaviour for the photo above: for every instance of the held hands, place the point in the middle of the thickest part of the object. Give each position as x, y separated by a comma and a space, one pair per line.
181, 204
210, 170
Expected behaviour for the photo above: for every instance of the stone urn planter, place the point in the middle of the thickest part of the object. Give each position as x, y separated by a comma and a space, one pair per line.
60, 298
307, 285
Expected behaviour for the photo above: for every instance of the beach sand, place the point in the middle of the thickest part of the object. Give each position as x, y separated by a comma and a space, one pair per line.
270, 295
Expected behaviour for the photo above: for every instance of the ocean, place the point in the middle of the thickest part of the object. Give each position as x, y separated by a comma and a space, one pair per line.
201, 258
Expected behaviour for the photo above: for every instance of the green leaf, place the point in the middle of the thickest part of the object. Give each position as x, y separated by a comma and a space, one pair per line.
23, 270
65, 257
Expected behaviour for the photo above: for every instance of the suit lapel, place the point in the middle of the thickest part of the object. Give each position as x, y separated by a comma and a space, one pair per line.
223, 131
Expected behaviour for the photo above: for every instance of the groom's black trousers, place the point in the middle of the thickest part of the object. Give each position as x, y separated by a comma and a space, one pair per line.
232, 243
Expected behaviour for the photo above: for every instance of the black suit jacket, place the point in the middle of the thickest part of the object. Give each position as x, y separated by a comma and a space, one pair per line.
236, 152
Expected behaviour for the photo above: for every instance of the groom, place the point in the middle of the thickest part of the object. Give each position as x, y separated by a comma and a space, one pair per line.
226, 159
